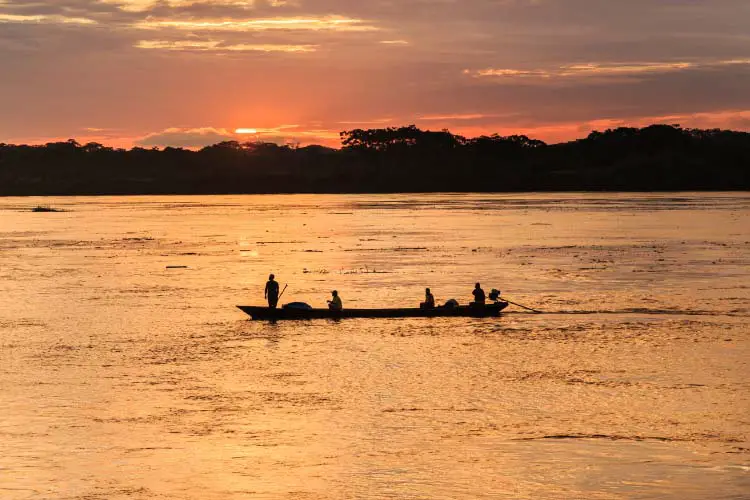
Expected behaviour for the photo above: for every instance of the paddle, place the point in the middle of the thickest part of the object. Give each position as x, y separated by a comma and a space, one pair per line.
282, 292
520, 305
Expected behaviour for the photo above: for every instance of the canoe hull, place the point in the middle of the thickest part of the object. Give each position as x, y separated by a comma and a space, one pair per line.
265, 313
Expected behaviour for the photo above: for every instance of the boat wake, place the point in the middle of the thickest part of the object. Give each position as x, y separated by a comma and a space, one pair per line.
618, 437
740, 313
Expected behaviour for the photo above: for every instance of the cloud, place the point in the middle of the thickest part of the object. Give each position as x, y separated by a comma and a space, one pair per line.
141, 66
458, 117
186, 138
601, 70
326, 23
219, 46
43, 19
195, 138
369, 122
146, 5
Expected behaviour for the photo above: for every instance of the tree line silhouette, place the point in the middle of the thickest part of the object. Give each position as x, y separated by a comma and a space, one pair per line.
396, 159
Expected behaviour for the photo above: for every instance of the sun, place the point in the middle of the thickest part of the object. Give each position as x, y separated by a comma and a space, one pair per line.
246, 131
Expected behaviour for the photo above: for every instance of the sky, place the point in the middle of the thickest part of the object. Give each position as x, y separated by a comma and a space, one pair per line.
189, 73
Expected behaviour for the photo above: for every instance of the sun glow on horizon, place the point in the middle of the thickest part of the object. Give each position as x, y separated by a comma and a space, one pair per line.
246, 131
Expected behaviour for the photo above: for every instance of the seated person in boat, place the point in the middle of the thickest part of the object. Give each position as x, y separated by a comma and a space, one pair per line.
429, 300
479, 297
335, 303
272, 292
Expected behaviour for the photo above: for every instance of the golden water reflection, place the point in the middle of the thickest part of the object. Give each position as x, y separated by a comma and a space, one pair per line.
121, 378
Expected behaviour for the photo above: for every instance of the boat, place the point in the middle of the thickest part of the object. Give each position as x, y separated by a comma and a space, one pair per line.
291, 313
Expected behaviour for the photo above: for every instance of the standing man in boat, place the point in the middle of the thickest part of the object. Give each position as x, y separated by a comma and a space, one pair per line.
479, 297
272, 292
429, 300
335, 303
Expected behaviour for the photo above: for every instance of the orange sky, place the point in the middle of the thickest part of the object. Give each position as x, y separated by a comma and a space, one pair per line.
190, 72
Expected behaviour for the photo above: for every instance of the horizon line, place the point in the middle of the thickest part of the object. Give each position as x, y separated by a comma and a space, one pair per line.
259, 141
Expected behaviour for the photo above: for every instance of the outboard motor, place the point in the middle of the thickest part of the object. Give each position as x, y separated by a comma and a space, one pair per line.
494, 295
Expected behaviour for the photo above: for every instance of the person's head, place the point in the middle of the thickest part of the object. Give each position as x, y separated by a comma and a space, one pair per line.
427, 291
477, 286
334, 293
270, 277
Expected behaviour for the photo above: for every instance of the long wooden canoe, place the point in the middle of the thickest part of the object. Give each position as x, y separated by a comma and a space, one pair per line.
470, 311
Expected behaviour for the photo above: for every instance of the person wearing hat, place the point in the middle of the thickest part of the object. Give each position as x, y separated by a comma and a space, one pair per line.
335, 303
272, 292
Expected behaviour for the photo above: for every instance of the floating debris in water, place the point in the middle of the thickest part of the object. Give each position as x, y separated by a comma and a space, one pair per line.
46, 208
177, 267
315, 271
364, 270
394, 249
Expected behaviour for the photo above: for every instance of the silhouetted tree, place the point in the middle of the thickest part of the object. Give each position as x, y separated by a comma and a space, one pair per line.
658, 157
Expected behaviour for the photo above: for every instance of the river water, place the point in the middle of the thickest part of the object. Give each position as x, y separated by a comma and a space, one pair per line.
124, 378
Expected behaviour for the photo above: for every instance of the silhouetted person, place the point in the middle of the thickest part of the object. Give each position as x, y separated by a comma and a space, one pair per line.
335, 303
272, 292
479, 297
429, 300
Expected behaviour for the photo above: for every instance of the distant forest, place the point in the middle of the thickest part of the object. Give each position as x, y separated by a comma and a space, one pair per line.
405, 159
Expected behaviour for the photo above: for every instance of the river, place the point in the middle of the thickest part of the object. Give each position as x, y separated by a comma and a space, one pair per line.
126, 372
